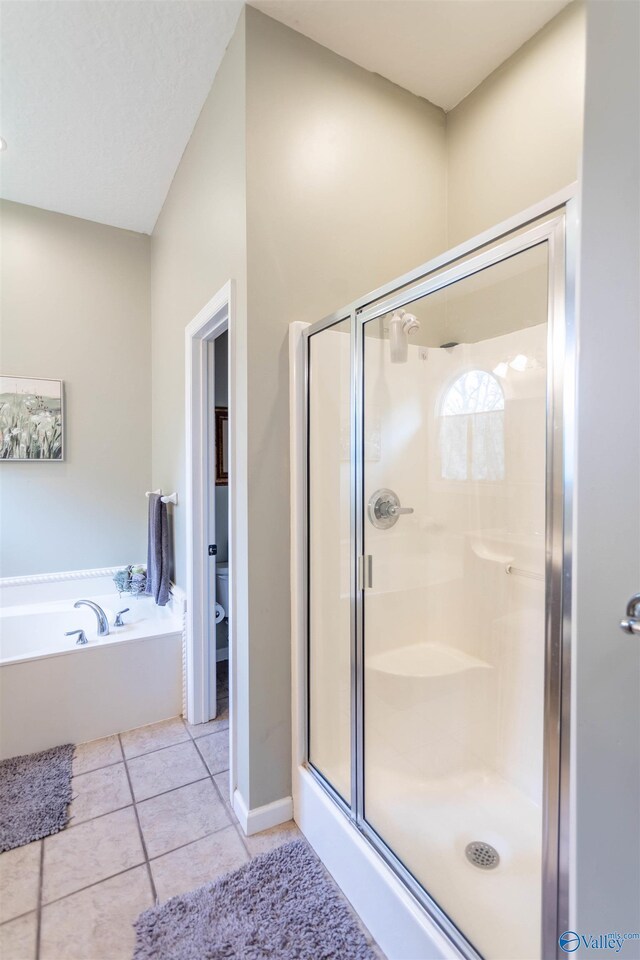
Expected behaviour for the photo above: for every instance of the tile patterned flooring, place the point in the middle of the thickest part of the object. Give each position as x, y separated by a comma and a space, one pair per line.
150, 818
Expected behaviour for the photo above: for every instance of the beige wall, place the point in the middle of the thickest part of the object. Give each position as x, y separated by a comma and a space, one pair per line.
198, 244
310, 181
345, 190
516, 139
75, 307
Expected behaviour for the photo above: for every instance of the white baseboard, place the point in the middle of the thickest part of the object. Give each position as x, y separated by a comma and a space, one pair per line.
261, 818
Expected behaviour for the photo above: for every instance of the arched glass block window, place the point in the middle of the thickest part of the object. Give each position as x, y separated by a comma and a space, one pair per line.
472, 428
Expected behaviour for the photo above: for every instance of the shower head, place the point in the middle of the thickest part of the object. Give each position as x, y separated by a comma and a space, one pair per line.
410, 323
401, 325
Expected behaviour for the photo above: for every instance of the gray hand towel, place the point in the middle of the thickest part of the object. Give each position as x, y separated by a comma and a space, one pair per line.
158, 551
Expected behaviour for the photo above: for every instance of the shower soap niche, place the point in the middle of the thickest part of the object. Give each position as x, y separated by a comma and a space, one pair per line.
425, 660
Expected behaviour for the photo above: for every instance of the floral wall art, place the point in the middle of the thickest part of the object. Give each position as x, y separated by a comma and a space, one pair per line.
31, 419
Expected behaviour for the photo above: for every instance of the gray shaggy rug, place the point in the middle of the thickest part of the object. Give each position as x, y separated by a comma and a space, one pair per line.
35, 792
281, 906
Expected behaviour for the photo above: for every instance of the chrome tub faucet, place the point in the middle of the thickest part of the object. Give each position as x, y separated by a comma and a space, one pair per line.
103, 623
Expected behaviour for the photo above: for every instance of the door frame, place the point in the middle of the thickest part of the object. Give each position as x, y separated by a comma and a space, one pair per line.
561, 212
216, 317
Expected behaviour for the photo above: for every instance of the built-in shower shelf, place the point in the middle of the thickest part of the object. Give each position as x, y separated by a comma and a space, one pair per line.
425, 660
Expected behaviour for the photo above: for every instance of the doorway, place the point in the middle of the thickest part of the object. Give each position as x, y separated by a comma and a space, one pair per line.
210, 635
217, 489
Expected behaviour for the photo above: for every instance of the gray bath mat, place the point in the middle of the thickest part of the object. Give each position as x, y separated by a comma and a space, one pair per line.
281, 906
35, 792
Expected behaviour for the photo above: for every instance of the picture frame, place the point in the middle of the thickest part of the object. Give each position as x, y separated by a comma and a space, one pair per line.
32, 420
222, 446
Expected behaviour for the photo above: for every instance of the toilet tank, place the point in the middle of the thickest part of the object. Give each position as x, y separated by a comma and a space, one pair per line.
222, 586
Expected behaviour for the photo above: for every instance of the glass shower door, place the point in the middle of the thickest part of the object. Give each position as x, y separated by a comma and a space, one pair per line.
454, 479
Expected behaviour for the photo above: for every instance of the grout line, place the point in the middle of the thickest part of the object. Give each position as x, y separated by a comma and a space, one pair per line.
243, 839
147, 861
19, 916
103, 766
96, 883
189, 736
210, 773
99, 816
147, 753
135, 866
225, 800
154, 892
228, 808
189, 843
39, 906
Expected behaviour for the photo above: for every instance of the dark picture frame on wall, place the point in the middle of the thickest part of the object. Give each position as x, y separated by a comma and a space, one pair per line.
222, 446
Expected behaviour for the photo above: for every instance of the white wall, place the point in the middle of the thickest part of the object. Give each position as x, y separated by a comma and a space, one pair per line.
75, 307
607, 551
516, 138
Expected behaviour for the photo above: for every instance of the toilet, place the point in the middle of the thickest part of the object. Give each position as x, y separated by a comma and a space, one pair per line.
222, 605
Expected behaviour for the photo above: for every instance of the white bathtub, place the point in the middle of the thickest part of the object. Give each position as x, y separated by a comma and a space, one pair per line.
53, 691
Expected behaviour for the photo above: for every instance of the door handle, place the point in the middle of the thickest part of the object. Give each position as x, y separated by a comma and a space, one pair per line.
365, 572
631, 623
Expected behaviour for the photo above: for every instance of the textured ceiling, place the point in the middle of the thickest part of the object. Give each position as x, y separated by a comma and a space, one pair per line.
99, 100
438, 49
99, 97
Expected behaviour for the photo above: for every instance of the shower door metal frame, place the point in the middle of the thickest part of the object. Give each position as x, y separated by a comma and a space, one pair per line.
553, 222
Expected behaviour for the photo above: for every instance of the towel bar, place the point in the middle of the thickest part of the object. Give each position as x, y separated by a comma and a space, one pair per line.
170, 498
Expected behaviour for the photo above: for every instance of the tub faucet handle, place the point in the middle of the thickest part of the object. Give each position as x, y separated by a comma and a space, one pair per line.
81, 636
118, 622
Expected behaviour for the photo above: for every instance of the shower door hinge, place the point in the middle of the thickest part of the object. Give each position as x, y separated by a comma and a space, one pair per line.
365, 572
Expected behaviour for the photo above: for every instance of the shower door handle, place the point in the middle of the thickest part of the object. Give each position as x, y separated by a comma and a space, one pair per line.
365, 572
631, 623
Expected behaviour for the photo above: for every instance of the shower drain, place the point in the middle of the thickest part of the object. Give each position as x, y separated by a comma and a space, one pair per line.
482, 855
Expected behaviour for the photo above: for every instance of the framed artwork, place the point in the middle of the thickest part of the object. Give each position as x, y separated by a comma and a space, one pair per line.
222, 446
31, 419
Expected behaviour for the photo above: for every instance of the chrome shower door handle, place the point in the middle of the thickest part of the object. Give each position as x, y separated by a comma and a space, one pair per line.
631, 623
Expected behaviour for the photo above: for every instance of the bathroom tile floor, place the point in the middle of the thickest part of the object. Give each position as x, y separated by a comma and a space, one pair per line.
151, 818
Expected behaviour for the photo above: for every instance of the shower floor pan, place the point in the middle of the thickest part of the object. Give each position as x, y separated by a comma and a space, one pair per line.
429, 825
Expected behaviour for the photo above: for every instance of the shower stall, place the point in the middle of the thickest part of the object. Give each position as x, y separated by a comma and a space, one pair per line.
433, 566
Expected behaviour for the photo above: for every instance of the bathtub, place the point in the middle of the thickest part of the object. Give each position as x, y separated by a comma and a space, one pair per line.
53, 691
